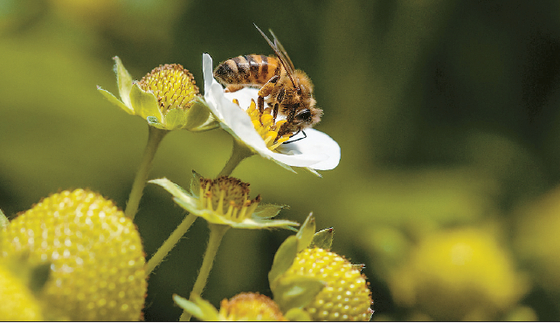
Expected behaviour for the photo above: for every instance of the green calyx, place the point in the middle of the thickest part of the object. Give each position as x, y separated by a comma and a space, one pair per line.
292, 293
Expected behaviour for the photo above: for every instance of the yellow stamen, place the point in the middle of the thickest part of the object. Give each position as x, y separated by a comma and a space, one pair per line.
266, 125
228, 197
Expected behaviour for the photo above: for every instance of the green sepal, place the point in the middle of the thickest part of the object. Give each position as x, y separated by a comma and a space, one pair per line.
297, 315
181, 196
283, 260
323, 239
314, 172
306, 232
267, 211
195, 184
210, 122
145, 103
113, 99
199, 308
296, 291
154, 122
124, 81
4, 222
198, 115
39, 276
176, 118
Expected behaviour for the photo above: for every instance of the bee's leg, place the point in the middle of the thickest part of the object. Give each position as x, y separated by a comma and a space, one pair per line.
260, 104
297, 139
233, 88
265, 90
279, 99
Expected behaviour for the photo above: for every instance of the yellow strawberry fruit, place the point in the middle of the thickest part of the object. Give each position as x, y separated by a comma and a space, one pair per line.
18, 302
96, 256
250, 307
346, 296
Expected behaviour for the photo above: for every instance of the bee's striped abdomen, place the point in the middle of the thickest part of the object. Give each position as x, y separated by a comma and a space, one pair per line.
248, 70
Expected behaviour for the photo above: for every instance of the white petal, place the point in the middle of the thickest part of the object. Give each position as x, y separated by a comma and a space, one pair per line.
316, 143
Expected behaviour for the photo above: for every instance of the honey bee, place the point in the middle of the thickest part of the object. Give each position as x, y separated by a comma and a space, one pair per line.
289, 92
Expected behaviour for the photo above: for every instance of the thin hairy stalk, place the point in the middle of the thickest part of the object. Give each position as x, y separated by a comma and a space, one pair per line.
154, 138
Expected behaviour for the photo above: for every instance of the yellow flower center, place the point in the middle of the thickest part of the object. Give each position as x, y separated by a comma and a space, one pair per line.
227, 196
267, 127
172, 84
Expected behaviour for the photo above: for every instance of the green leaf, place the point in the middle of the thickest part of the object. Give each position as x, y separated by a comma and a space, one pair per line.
145, 103
124, 81
296, 291
200, 308
113, 99
323, 239
283, 259
306, 232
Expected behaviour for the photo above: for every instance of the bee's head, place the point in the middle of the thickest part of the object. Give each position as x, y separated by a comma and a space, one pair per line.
307, 117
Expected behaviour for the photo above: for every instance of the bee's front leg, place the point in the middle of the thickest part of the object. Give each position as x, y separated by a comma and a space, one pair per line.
265, 90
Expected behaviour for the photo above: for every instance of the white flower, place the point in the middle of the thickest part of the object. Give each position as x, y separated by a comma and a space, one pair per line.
316, 152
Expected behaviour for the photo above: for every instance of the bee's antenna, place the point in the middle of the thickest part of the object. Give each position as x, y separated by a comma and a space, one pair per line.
275, 46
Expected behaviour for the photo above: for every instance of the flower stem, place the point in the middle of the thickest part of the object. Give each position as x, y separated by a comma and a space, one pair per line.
154, 138
170, 243
217, 232
238, 153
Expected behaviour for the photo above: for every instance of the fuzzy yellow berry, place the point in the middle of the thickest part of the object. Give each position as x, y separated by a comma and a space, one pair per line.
97, 260
346, 296
18, 302
460, 274
250, 307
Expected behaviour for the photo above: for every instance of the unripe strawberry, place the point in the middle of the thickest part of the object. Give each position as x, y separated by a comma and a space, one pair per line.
97, 260
250, 307
345, 297
18, 302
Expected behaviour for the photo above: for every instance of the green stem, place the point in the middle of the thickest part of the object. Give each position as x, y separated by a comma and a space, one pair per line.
217, 232
170, 243
238, 153
154, 138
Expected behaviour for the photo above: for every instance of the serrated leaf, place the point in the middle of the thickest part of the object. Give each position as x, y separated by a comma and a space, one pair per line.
323, 239
283, 259
296, 291
306, 232
199, 308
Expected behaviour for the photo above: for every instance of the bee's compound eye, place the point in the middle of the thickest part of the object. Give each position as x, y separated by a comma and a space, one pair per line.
304, 115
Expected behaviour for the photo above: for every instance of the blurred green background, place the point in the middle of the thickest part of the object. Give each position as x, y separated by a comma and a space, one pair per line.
446, 113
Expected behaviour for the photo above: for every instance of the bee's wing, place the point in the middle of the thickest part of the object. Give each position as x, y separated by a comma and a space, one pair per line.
281, 53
